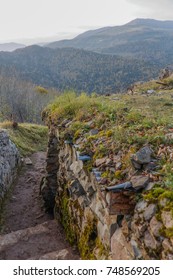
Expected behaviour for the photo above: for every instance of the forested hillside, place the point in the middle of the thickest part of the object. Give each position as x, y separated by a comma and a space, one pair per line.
75, 69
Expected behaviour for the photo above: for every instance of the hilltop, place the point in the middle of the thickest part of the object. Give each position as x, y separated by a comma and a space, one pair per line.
10, 47
143, 38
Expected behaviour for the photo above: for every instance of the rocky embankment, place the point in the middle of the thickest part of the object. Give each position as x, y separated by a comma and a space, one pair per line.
119, 221
108, 179
9, 162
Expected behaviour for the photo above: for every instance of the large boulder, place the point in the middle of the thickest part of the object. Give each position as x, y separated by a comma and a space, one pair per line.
9, 161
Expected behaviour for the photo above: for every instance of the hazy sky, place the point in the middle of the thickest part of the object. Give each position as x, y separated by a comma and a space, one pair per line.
66, 18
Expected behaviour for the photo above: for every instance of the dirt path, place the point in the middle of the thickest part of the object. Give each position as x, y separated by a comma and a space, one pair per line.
29, 232
25, 207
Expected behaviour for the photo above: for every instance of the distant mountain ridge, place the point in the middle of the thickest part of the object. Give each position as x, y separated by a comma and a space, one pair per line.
70, 68
10, 47
168, 24
106, 60
141, 38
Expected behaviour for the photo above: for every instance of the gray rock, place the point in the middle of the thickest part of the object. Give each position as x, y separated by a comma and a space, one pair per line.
139, 182
151, 166
167, 219
163, 201
97, 174
113, 228
151, 91
90, 192
143, 156
84, 158
93, 132
75, 190
142, 228
155, 226
28, 161
9, 161
150, 212
149, 186
169, 136
170, 256
100, 161
137, 252
118, 165
167, 245
140, 206
135, 164
120, 248
149, 241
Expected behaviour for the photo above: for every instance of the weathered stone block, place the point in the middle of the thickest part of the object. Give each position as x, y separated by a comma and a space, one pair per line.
150, 241
120, 248
167, 219
155, 226
150, 212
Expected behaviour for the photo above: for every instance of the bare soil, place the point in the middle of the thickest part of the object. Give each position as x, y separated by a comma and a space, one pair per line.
25, 209
25, 206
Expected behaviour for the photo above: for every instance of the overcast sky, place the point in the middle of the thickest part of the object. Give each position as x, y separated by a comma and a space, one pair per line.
66, 18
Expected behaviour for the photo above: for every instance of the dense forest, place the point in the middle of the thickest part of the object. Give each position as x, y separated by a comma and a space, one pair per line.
79, 70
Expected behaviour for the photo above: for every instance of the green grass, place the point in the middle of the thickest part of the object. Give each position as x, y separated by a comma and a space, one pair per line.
29, 138
133, 120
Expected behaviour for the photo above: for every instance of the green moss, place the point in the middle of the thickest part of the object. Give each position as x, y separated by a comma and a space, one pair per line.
154, 194
119, 175
87, 241
109, 133
101, 151
105, 174
67, 222
169, 232
88, 166
103, 251
167, 194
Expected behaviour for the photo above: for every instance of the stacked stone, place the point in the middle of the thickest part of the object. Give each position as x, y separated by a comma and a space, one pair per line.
48, 186
113, 223
148, 232
9, 161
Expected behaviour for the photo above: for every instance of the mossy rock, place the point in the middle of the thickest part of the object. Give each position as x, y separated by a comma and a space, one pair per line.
87, 241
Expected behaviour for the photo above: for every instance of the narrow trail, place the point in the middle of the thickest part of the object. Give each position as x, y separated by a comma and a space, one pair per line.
29, 232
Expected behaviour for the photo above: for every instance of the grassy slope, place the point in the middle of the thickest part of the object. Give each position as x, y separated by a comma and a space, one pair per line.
125, 123
28, 138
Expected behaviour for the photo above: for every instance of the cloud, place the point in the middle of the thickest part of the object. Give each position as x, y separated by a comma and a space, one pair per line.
156, 3
156, 8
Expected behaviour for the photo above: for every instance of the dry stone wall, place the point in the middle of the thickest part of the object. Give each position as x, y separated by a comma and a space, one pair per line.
9, 161
103, 222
